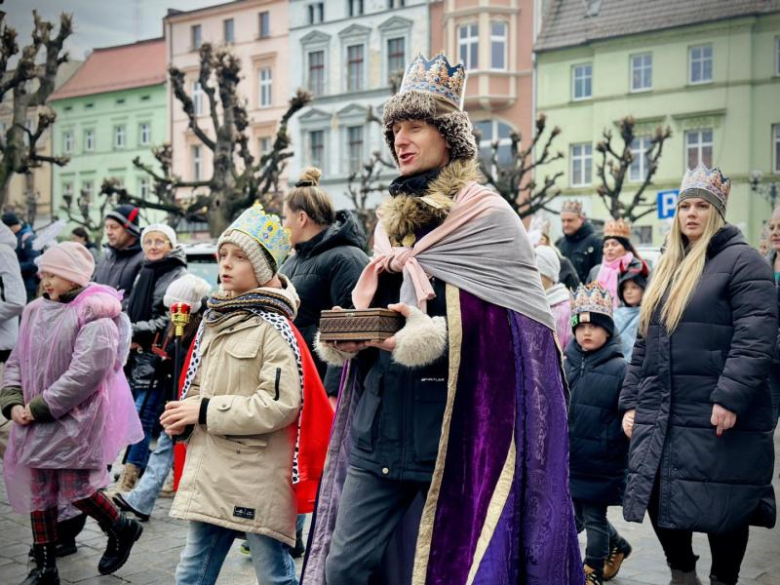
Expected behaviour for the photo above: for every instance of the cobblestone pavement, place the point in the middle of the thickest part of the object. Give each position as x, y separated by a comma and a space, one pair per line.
156, 554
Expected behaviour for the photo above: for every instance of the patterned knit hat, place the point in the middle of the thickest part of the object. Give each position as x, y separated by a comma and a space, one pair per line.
592, 303
261, 236
433, 91
708, 184
127, 216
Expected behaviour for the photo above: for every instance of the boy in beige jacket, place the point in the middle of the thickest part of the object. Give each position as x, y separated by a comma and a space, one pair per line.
240, 406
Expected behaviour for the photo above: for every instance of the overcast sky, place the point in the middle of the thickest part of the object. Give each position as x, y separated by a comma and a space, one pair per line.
99, 23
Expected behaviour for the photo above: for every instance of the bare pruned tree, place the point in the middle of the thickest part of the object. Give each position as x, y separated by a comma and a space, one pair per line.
514, 180
615, 165
30, 83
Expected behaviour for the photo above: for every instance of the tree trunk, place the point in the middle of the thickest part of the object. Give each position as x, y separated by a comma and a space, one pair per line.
219, 214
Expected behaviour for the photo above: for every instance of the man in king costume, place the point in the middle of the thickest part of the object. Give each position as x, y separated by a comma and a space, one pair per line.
465, 407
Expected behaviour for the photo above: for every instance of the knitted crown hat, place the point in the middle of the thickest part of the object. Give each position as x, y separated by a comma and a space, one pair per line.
262, 238
708, 184
127, 216
548, 263
433, 91
189, 289
572, 206
68, 260
162, 228
592, 303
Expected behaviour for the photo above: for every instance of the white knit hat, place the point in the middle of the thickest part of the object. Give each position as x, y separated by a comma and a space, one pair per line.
548, 262
164, 229
188, 289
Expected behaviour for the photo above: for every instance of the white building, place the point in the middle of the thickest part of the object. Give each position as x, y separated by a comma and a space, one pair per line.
344, 52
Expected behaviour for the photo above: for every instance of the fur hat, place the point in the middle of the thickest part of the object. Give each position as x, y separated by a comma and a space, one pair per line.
708, 184
262, 238
433, 91
188, 289
127, 216
68, 260
592, 303
548, 262
163, 229
637, 270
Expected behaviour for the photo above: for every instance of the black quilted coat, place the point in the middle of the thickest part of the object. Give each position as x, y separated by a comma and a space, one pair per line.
720, 352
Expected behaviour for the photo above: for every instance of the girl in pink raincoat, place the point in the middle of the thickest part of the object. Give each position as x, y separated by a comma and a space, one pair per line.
66, 393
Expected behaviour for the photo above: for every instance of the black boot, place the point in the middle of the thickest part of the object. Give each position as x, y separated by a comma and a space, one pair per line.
121, 538
67, 531
300, 547
45, 571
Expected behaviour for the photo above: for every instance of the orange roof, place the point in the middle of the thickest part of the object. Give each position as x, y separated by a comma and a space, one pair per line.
116, 68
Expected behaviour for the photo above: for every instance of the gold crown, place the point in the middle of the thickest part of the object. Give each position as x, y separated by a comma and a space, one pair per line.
436, 76
591, 298
617, 228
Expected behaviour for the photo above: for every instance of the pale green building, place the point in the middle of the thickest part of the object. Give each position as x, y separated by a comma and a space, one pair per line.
709, 69
113, 109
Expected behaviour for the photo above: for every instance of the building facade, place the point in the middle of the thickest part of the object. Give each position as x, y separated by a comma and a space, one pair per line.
494, 40
31, 195
255, 31
345, 53
112, 110
709, 70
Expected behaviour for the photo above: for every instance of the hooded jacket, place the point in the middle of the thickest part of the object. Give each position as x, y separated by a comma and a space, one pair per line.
12, 292
720, 353
119, 268
583, 248
324, 271
598, 447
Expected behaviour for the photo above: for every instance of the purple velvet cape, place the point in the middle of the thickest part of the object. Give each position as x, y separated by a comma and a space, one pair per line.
499, 510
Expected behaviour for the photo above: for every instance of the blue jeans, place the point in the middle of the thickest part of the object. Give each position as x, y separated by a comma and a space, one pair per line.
149, 413
144, 495
208, 545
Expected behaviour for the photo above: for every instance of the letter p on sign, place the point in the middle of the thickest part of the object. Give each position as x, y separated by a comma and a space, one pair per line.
667, 203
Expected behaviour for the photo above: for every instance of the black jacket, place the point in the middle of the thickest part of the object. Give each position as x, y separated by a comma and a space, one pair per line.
118, 268
568, 275
324, 271
397, 424
584, 249
720, 352
26, 254
598, 448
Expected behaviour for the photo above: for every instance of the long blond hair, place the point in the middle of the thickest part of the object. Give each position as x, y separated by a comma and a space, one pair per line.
678, 271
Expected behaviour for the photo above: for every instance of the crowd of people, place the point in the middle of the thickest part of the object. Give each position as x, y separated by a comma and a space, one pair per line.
438, 451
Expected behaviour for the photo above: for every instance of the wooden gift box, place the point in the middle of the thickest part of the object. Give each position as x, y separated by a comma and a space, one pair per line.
359, 324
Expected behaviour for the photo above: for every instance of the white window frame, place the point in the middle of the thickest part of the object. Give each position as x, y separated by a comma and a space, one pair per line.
316, 12
638, 169
579, 74
67, 189
229, 25
144, 189
197, 97
582, 152
120, 137
265, 96
89, 187
309, 150
391, 70
261, 149
68, 142
469, 42
196, 36
776, 148
89, 140
700, 61
355, 4
320, 88
196, 159
145, 133
360, 81
263, 16
486, 142
503, 39
699, 146
355, 158
638, 62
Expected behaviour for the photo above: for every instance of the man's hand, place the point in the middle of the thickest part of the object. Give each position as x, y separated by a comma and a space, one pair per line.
628, 422
19, 415
722, 419
179, 414
389, 343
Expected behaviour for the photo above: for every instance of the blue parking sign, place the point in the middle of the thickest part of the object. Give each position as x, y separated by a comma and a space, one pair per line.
667, 203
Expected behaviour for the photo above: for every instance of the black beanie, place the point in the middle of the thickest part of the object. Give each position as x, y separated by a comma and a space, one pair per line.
10, 218
127, 216
600, 319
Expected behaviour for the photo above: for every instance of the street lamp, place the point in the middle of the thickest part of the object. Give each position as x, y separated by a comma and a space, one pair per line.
769, 191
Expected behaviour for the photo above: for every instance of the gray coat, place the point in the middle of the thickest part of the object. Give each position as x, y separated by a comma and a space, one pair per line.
13, 295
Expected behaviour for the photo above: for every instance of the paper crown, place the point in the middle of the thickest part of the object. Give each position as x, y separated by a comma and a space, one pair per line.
709, 184
617, 228
591, 298
572, 206
438, 77
266, 229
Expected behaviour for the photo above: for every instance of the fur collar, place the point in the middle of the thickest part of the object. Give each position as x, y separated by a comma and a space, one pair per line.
405, 216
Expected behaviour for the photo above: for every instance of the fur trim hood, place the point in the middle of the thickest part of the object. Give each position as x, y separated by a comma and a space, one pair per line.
404, 215
455, 126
